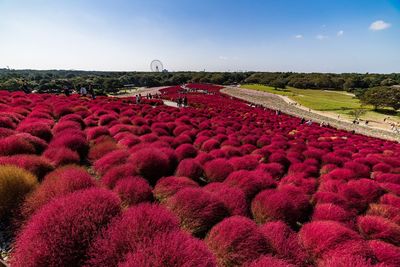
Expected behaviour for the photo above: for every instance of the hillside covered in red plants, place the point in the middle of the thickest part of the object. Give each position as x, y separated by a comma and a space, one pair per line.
108, 182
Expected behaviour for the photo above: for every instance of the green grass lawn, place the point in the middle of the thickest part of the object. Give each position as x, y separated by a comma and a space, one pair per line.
339, 102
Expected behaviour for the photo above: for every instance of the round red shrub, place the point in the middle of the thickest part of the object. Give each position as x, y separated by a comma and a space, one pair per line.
13, 145
375, 227
390, 199
168, 186
284, 242
95, 132
185, 151
234, 199
268, 261
38, 129
111, 159
388, 178
74, 142
217, 170
291, 206
100, 149
60, 233
209, 145
244, 163
116, 173
189, 168
332, 212
250, 182
136, 226
320, 237
275, 169
197, 210
152, 164
236, 241
171, 249
385, 253
37, 165
133, 190
59, 182
61, 156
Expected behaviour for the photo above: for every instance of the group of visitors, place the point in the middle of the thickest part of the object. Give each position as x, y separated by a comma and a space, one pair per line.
138, 98
182, 101
306, 122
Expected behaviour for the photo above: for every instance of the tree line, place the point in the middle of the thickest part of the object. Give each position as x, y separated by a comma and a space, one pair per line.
44, 80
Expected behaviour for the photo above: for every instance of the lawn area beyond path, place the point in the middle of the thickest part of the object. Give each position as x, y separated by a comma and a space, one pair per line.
332, 103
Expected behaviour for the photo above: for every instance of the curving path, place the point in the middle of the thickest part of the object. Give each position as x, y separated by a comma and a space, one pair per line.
278, 103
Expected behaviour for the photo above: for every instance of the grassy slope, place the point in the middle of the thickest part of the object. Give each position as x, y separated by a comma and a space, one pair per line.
338, 102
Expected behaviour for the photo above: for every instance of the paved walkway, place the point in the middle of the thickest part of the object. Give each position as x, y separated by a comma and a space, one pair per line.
278, 103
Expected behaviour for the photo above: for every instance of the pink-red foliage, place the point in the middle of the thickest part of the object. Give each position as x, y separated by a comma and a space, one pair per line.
376, 227
57, 183
236, 241
61, 232
37, 165
233, 198
171, 249
152, 164
217, 170
168, 186
61, 156
385, 252
269, 261
133, 190
250, 182
189, 168
284, 242
197, 209
126, 233
110, 160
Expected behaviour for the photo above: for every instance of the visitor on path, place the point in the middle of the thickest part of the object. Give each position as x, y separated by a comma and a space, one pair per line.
185, 101
302, 121
83, 91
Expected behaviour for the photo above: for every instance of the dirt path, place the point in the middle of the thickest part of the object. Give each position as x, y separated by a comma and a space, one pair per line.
289, 106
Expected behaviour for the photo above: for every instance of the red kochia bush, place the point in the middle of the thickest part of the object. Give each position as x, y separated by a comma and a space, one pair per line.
233, 198
168, 186
275, 169
133, 190
251, 182
41, 130
152, 164
116, 173
390, 199
189, 168
61, 156
217, 170
37, 165
59, 235
197, 210
385, 252
13, 145
74, 142
269, 261
284, 242
171, 249
287, 205
375, 227
58, 183
126, 233
236, 240
185, 151
332, 212
320, 237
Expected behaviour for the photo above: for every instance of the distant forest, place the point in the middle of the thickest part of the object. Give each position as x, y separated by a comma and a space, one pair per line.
54, 80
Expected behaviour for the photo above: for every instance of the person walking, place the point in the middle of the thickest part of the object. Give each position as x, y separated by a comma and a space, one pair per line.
185, 101
83, 91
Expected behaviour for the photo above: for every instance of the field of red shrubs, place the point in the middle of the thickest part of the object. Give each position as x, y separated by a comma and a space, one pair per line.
107, 182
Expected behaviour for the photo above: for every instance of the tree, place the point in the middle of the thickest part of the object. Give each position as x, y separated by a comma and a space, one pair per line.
376, 96
357, 113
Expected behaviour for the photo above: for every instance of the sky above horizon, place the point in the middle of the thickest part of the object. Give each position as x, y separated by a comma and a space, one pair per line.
212, 35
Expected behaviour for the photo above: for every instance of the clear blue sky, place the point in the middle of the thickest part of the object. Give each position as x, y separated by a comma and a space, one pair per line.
215, 35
